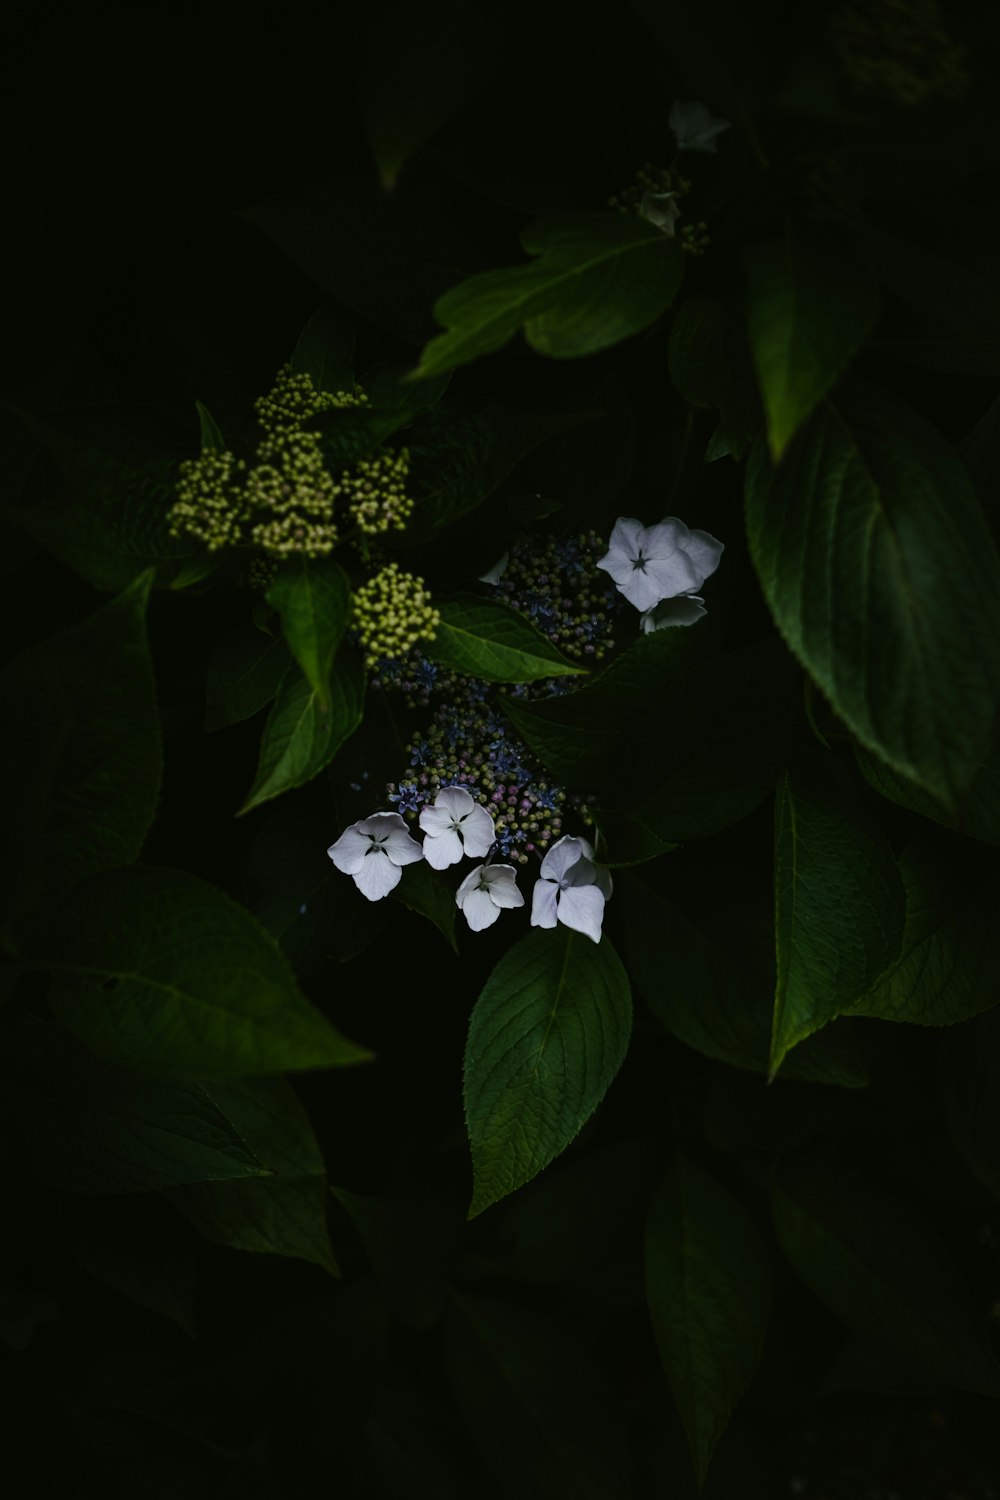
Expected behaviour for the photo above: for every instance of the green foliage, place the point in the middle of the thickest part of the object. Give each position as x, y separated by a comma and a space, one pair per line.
548, 1034
483, 638
429, 897
878, 565
598, 279
245, 670
710, 366
156, 969
301, 737
313, 598
708, 1285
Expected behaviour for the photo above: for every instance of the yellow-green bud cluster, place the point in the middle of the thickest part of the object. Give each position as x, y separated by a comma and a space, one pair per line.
294, 399
376, 488
649, 179
259, 574
210, 504
292, 497
900, 50
694, 238
392, 612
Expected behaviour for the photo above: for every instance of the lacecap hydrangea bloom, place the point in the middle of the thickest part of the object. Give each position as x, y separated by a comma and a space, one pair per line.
455, 825
486, 892
374, 851
571, 889
650, 564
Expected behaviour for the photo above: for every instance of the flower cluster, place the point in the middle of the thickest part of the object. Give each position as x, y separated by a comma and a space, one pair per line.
210, 504
571, 889
376, 491
294, 398
392, 612
554, 581
660, 568
657, 193
292, 497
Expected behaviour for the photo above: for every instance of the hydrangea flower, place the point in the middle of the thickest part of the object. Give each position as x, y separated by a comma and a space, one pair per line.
455, 825
653, 563
373, 852
661, 210
686, 609
485, 892
694, 126
571, 889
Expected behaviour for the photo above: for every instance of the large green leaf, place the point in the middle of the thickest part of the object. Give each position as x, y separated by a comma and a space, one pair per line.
711, 996
537, 1406
708, 1287
422, 890
547, 1035
709, 362
313, 599
80, 752
811, 307
486, 639
839, 908
245, 671
977, 812
301, 737
157, 969
324, 349
875, 558
83, 1126
949, 962
884, 1273
285, 1213
599, 277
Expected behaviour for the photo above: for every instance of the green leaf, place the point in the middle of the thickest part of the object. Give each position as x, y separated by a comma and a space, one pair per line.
811, 307
80, 753
878, 565
947, 967
284, 1214
710, 366
157, 969
212, 440
428, 893
137, 1247
977, 813
972, 1093
300, 737
598, 279
245, 671
711, 996
486, 639
537, 1406
547, 1035
884, 1273
81, 1126
412, 1242
313, 599
708, 1287
839, 909
325, 350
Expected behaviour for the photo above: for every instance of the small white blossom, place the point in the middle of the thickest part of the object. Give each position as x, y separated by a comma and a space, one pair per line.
661, 210
485, 892
571, 889
454, 826
499, 568
694, 126
373, 851
665, 561
686, 609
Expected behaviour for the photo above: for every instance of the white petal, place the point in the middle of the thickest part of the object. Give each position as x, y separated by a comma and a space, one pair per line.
641, 589
705, 552
584, 872
686, 609
435, 820
443, 849
494, 574
381, 823
625, 536
543, 903
563, 854
402, 848
478, 832
471, 882
661, 210
502, 883
620, 567
672, 575
348, 853
479, 910
377, 876
455, 800
665, 538
582, 909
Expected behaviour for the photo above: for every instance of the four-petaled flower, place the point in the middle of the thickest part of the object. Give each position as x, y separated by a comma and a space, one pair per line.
485, 892
653, 563
694, 126
454, 826
373, 851
571, 889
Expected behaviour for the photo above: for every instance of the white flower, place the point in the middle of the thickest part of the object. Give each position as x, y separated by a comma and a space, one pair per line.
694, 126
660, 210
454, 826
686, 609
652, 563
499, 568
485, 892
571, 889
373, 851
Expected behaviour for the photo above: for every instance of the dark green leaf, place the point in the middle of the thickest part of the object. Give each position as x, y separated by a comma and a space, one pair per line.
301, 738
972, 1092
839, 908
313, 598
413, 1244
325, 350
486, 639
212, 440
884, 1273
80, 752
136, 1247
157, 969
598, 279
284, 1214
82, 1126
977, 813
877, 562
810, 309
244, 673
709, 360
547, 1035
708, 1285
428, 893
535, 1403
